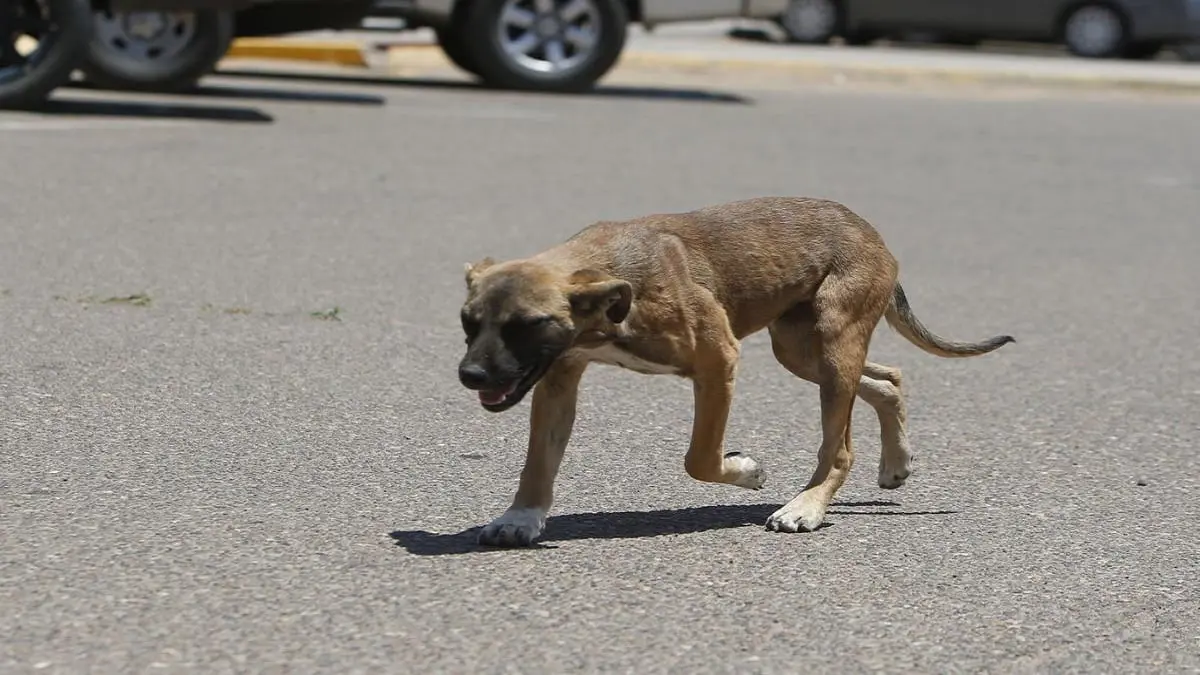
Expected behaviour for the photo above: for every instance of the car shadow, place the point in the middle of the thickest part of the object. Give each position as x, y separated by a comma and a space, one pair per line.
752, 35
637, 524
256, 93
151, 110
601, 91
287, 95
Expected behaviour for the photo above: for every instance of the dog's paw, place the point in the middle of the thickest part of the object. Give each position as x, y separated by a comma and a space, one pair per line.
891, 478
799, 515
745, 471
515, 527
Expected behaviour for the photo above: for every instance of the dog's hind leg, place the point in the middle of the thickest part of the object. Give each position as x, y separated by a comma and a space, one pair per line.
845, 309
796, 346
880, 387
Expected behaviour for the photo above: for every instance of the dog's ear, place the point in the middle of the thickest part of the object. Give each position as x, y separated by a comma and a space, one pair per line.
474, 269
593, 291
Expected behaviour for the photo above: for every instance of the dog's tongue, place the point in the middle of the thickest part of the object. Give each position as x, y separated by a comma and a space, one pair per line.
496, 396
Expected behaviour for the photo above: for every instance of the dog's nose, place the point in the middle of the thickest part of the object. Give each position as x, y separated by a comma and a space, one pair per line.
472, 376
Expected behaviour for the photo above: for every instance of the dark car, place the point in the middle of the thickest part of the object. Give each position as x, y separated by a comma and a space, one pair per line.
1088, 28
153, 45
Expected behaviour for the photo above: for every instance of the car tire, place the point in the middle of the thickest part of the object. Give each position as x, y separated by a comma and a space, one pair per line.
811, 22
167, 52
1095, 30
509, 42
56, 55
450, 39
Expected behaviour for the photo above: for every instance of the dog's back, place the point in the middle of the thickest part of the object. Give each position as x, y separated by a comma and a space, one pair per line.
769, 253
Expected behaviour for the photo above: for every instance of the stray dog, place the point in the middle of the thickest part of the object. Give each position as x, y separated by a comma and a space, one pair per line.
674, 294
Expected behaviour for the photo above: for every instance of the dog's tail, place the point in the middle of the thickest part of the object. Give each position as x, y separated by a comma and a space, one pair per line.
901, 318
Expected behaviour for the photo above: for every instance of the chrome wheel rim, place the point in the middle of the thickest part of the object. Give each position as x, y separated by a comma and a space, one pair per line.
549, 36
1094, 30
810, 19
145, 36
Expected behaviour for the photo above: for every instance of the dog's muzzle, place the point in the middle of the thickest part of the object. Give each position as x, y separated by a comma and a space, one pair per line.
491, 393
473, 376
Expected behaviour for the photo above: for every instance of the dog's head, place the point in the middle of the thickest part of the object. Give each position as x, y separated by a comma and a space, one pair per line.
520, 316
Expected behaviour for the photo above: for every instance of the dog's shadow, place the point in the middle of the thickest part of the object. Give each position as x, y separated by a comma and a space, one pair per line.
637, 524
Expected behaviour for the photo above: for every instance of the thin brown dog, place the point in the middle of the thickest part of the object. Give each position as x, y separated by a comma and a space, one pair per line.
675, 294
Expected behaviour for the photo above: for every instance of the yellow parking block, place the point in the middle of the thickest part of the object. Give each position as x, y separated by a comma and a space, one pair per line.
345, 53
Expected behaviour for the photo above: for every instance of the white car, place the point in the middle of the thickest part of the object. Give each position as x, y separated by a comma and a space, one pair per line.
555, 45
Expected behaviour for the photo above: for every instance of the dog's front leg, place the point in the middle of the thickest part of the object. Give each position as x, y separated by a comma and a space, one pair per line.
713, 386
551, 419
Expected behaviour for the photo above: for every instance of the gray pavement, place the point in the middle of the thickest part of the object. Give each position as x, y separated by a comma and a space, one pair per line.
233, 440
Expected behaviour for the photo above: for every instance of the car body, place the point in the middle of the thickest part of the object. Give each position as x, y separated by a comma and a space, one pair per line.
1097, 28
256, 18
154, 45
552, 45
1031, 20
646, 12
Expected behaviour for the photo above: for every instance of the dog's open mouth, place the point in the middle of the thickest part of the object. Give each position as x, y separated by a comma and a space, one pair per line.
499, 400
492, 397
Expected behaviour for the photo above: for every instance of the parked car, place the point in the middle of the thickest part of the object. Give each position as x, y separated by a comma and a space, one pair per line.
1088, 28
156, 45
553, 45
168, 50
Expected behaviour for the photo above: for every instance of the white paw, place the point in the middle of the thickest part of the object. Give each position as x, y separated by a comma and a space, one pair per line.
799, 515
747, 473
892, 476
515, 527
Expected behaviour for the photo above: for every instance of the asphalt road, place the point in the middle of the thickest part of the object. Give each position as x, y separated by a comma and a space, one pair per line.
232, 438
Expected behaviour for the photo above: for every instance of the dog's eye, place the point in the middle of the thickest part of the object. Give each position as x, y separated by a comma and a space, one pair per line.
528, 323
470, 326
525, 327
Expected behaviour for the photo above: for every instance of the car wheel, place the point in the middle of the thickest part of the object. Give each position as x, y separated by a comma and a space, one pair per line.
41, 43
159, 51
544, 45
811, 21
450, 39
1095, 31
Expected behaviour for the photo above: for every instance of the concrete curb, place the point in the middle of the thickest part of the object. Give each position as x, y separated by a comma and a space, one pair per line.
412, 57
418, 57
965, 75
345, 53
